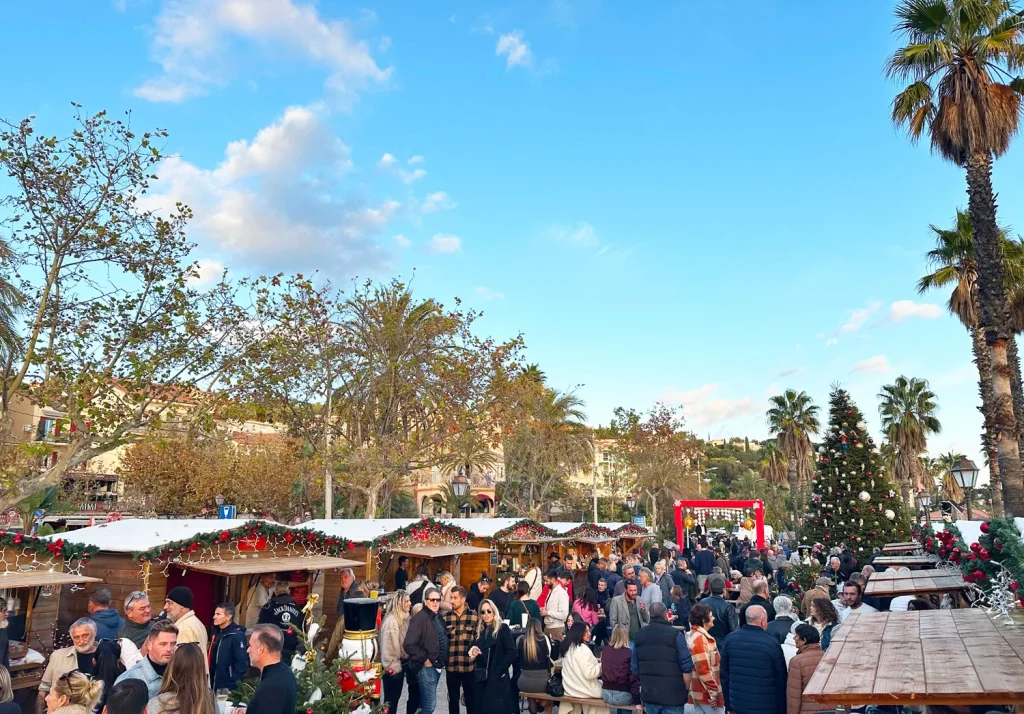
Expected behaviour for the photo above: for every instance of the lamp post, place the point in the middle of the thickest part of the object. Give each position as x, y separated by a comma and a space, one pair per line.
965, 473
223, 512
460, 486
631, 503
924, 500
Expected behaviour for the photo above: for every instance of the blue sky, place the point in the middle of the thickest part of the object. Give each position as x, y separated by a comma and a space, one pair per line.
696, 202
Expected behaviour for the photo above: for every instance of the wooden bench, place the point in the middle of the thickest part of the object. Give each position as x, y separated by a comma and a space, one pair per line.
567, 700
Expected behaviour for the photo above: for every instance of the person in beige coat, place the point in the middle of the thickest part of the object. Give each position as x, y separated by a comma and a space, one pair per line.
801, 667
581, 672
178, 607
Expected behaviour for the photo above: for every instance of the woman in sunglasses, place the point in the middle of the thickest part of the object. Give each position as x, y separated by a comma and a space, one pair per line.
493, 652
73, 693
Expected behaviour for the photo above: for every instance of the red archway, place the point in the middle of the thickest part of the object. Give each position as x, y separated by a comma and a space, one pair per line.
705, 507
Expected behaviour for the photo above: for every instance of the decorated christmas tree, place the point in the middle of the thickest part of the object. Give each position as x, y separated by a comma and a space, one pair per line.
853, 500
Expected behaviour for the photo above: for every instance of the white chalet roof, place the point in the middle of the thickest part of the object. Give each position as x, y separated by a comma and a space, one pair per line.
562, 527
482, 527
137, 534
359, 530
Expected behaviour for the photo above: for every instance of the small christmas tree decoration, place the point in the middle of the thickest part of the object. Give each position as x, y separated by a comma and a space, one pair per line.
856, 485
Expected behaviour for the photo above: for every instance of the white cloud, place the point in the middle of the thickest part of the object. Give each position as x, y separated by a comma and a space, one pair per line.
789, 372
274, 201
401, 241
581, 233
413, 160
873, 365
445, 243
858, 318
207, 272
902, 309
191, 39
410, 176
820, 335
387, 161
385, 44
437, 201
488, 294
516, 48
831, 341
702, 411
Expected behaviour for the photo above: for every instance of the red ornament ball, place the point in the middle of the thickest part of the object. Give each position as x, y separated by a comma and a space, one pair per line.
984, 527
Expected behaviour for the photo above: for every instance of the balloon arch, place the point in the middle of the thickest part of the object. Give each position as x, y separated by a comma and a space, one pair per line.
745, 513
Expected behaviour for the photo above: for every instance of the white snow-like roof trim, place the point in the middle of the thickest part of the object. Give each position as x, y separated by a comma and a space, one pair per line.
971, 530
359, 530
562, 527
134, 535
483, 527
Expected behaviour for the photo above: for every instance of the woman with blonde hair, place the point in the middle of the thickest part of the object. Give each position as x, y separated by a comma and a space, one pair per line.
447, 581
7, 703
392, 655
620, 687
533, 650
73, 693
492, 654
186, 685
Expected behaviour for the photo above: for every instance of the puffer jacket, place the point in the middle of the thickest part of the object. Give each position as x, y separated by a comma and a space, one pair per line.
753, 672
801, 668
392, 637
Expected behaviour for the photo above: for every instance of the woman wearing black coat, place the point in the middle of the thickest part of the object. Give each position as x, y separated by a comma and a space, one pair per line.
493, 652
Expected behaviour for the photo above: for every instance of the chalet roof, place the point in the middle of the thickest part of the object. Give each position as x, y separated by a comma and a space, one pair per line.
133, 535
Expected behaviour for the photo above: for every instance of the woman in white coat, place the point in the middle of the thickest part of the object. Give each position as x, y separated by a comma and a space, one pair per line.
581, 670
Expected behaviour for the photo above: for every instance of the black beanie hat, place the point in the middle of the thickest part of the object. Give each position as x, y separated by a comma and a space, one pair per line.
181, 595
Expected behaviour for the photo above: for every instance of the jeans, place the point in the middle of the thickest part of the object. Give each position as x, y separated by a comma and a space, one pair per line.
455, 680
704, 709
427, 679
661, 709
621, 702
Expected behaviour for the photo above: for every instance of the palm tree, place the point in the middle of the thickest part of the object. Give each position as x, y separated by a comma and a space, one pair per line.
10, 302
950, 490
773, 464
793, 417
958, 64
749, 486
953, 264
907, 409
453, 504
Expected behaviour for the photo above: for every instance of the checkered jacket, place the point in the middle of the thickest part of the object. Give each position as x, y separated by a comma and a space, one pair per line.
706, 681
461, 636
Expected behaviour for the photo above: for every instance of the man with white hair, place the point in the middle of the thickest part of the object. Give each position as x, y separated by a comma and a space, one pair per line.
760, 598
784, 620
76, 657
753, 668
650, 593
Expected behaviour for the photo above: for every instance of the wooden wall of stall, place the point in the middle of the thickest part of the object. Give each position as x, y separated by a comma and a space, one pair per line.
332, 580
45, 610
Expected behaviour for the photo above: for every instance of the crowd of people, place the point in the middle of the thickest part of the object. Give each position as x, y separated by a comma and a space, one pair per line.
168, 664
716, 627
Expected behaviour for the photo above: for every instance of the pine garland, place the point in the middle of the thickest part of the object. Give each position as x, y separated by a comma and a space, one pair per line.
424, 530
589, 530
299, 537
999, 546
47, 545
631, 530
525, 529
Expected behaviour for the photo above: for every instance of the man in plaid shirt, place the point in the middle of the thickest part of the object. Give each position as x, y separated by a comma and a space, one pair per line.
461, 624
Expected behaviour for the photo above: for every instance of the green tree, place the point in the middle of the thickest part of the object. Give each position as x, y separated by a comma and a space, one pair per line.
11, 300
773, 464
116, 336
793, 417
853, 501
953, 265
959, 64
907, 408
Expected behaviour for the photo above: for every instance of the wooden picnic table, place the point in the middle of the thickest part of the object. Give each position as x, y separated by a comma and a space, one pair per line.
908, 547
950, 657
891, 583
906, 561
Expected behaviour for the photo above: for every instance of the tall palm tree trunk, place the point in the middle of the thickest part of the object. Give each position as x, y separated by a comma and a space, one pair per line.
988, 444
794, 489
994, 319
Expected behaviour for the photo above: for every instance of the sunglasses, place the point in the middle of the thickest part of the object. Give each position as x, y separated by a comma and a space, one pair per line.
487, 612
433, 599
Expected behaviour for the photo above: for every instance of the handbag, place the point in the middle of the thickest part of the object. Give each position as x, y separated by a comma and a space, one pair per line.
555, 687
480, 675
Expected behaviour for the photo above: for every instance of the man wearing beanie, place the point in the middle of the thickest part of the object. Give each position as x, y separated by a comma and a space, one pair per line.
178, 607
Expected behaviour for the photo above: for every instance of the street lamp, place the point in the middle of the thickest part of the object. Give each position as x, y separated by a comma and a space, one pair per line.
965, 473
219, 500
924, 500
631, 503
460, 486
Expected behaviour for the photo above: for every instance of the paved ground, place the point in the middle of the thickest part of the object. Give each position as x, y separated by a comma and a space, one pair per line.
442, 698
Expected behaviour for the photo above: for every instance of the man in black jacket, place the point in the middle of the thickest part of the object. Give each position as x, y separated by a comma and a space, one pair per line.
662, 660
753, 668
726, 618
704, 564
782, 625
277, 689
229, 661
282, 611
760, 597
426, 643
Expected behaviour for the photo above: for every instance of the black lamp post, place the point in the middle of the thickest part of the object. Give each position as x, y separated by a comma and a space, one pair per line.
460, 486
965, 473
